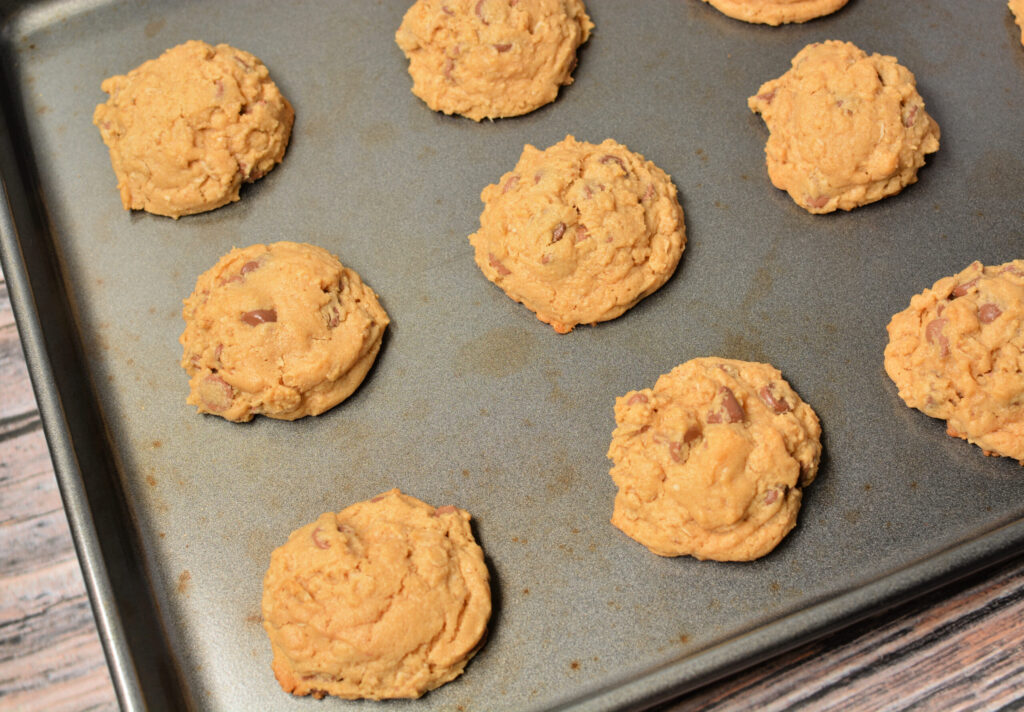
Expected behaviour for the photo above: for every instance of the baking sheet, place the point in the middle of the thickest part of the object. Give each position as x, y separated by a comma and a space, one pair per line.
473, 401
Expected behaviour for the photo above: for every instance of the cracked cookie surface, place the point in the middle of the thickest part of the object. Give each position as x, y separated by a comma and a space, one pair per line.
486, 59
711, 462
846, 128
957, 353
776, 12
388, 598
282, 330
186, 129
579, 232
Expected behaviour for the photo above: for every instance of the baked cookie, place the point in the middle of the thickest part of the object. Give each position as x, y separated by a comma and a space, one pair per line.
846, 128
387, 598
957, 353
281, 330
580, 233
485, 59
710, 462
1017, 8
776, 12
185, 130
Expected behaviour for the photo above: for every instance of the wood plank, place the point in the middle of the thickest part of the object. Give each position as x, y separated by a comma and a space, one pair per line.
33, 528
18, 411
50, 606
24, 457
50, 653
956, 649
68, 676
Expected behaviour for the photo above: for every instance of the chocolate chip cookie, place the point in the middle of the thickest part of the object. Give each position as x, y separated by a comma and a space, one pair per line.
282, 330
579, 232
486, 59
846, 128
185, 130
957, 353
711, 462
387, 598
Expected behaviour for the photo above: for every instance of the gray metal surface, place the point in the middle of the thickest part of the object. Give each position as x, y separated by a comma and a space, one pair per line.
475, 402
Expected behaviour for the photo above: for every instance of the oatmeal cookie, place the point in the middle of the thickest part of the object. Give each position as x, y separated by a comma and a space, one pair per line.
1017, 8
776, 12
957, 353
579, 233
282, 330
185, 130
846, 128
486, 59
387, 598
711, 462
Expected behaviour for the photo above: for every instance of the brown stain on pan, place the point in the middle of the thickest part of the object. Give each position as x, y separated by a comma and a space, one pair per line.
153, 27
497, 353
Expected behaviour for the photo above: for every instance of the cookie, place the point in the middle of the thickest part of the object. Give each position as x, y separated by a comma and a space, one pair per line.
579, 233
711, 462
846, 129
281, 330
185, 130
776, 12
486, 59
957, 353
387, 598
1017, 8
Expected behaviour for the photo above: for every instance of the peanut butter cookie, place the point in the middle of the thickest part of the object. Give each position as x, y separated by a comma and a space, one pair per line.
387, 598
957, 353
847, 129
486, 59
579, 233
185, 130
282, 330
710, 462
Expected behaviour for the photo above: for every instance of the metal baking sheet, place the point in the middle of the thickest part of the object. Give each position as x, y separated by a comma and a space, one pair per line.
473, 401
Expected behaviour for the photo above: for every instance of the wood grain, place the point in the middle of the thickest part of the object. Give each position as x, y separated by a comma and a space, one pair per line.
959, 648
50, 654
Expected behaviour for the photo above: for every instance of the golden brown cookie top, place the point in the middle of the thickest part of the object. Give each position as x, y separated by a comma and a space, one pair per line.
282, 330
846, 128
711, 461
387, 598
579, 232
491, 58
185, 130
957, 353
776, 12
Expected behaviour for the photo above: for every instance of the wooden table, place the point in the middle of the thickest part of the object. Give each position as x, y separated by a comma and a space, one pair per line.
959, 648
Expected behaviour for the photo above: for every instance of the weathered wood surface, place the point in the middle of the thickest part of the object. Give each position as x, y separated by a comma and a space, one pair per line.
50, 655
960, 648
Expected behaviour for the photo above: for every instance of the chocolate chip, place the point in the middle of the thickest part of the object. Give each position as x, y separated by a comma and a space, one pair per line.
259, 316
779, 405
501, 269
962, 289
933, 334
987, 313
733, 410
